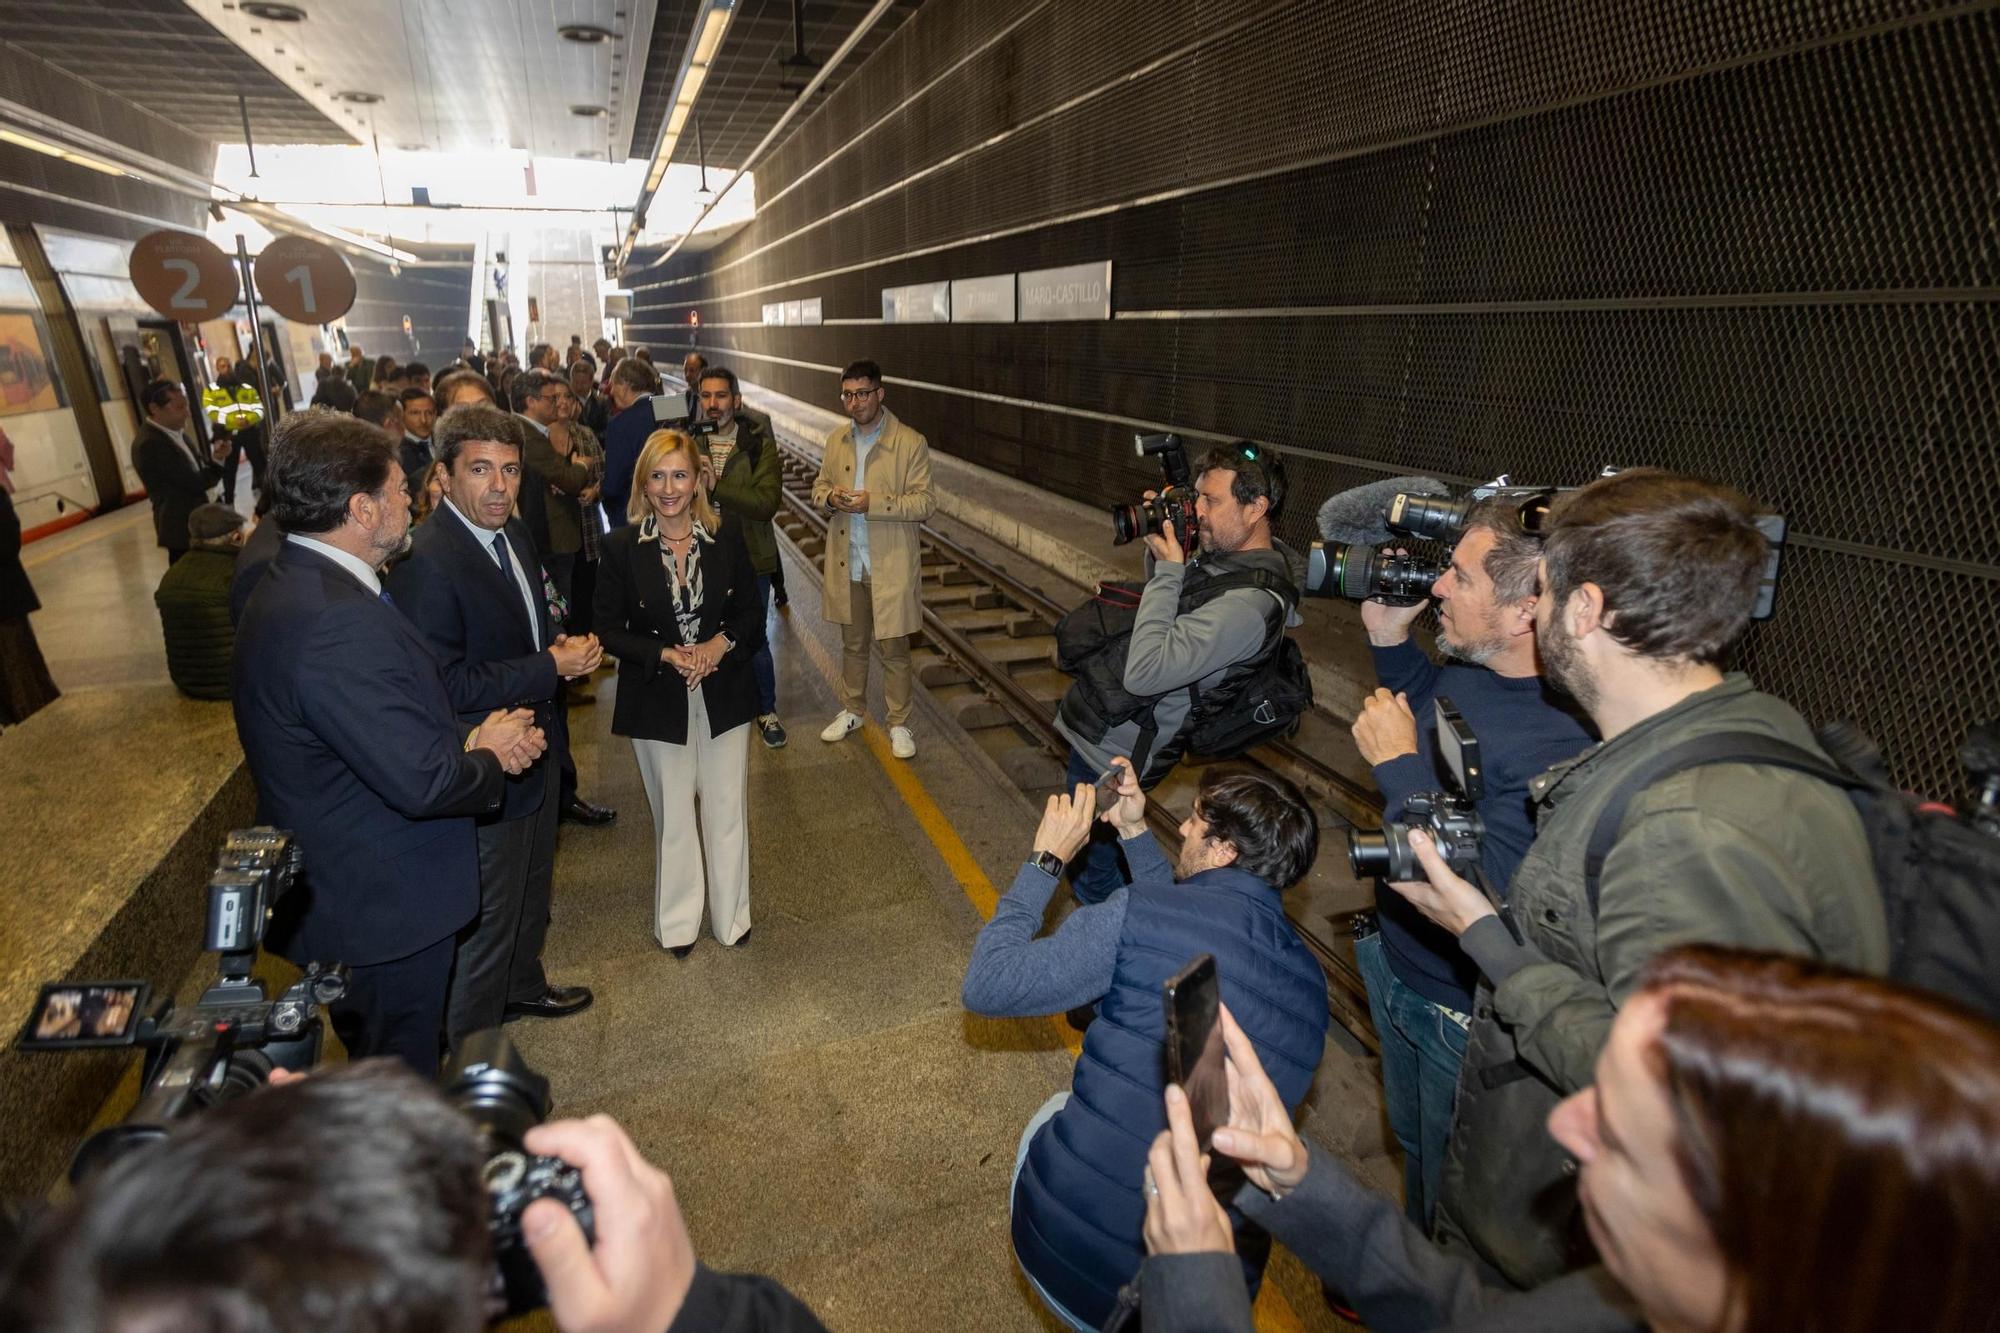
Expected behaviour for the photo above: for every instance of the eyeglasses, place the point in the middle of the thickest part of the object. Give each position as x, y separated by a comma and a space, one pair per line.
856, 395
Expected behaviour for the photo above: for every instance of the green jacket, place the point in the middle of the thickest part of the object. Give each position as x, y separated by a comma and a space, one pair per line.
1731, 854
750, 487
193, 599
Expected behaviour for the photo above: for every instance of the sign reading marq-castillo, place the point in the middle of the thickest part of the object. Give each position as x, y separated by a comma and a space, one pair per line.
1078, 291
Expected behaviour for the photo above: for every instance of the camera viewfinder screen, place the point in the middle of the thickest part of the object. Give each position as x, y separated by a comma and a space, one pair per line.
85, 1013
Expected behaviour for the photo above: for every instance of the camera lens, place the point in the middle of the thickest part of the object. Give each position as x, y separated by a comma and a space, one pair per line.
1383, 855
1438, 517
1130, 522
494, 1087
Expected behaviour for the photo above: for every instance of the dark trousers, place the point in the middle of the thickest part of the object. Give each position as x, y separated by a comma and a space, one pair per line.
249, 440
500, 955
397, 1008
761, 665
584, 582
1097, 871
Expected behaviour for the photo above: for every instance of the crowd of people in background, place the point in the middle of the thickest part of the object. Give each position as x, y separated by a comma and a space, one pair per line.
1644, 1062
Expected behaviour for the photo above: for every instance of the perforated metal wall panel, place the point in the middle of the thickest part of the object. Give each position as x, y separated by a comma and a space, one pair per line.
1755, 241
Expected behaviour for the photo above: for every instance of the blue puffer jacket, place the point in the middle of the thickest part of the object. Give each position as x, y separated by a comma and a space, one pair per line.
1078, 1209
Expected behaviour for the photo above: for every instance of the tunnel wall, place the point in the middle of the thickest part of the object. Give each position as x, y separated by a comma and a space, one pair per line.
1753, 241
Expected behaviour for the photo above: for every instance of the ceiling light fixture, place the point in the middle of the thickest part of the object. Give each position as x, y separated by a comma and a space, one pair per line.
272, 12
585, 34
62, 154
358, 97
587, 111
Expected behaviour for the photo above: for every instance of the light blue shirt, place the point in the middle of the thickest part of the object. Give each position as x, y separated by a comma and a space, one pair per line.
857, 524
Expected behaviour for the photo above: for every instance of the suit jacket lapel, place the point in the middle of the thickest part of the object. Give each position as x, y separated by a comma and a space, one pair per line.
530, 565
649, 575
498, 585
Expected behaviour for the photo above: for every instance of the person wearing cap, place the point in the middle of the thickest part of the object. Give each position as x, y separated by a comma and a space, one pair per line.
193, 599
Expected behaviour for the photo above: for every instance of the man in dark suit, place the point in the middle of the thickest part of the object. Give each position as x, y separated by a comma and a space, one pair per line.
174, 474
473, 586
419, 420
350, 735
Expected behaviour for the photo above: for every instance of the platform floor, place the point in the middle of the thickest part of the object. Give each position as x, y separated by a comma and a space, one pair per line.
829, 1113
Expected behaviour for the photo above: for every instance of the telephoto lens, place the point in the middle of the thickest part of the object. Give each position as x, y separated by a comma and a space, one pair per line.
1363, 573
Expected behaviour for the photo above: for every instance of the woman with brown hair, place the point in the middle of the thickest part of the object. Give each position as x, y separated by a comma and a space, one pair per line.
678, 604
1770, 1144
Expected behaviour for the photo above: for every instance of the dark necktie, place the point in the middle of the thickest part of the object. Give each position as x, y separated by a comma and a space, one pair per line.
386, 598
500, 554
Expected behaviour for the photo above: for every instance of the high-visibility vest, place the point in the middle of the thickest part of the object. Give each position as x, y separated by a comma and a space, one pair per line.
232, 411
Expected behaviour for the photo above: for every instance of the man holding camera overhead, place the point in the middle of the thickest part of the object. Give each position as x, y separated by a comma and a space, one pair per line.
1420, 984
1647, 582
1203, 612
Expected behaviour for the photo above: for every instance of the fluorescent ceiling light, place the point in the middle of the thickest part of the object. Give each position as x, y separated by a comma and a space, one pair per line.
712, 28
64, 154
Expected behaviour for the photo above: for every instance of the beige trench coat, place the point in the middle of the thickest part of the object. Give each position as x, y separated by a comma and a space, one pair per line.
899, 499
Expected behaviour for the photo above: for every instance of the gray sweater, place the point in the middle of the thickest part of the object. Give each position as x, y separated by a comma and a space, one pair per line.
1358, 1240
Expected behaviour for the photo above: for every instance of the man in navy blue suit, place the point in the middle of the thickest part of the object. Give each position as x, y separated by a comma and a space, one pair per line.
353, 743
472, 584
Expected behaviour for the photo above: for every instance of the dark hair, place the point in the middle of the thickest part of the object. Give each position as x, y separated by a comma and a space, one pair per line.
1679, 561
532, 384
1274, 831
408, 396
862, 370
636, 375
1257, 473
644, 354
157, 392
374, 406
536, 353
585, 360
349, 1200
717, 373
471, 421
385, 365
451, 382
320, 461
1803, 1095
416, 368
334, 392
1514, 563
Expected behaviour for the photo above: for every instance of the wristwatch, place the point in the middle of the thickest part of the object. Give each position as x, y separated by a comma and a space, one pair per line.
1048, 863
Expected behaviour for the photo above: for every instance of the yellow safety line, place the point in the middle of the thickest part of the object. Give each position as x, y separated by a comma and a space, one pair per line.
1273, 1313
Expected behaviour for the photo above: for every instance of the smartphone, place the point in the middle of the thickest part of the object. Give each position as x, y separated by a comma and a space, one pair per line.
70, 1014
1194, 1045
1108, 788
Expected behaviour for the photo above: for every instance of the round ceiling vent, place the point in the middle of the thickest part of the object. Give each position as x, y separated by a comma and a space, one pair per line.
587, 33
272, 12
357, 97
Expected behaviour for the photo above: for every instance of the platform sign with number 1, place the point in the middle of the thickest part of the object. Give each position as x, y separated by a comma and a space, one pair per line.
184, 276
304, 280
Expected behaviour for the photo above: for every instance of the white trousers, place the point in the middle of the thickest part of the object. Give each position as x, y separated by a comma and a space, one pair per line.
711, 772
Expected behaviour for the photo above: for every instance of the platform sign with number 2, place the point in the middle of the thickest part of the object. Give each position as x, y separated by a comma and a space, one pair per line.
184, 276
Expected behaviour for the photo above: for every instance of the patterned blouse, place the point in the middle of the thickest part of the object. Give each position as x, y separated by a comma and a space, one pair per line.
684, 589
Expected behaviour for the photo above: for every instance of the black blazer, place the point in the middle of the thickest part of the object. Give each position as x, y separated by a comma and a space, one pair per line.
635, 621
174, 484
471, 614
344, 718
415, 456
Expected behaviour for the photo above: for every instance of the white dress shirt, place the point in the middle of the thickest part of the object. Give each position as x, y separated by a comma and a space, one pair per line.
485, 536
354, 565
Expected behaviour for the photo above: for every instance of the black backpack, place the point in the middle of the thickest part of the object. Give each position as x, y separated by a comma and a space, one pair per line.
1939, 876
1259, 699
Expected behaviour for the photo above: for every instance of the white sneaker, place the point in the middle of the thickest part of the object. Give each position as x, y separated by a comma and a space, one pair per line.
842, 725
901, 743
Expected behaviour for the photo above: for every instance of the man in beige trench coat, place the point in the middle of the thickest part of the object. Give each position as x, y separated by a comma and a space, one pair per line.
875, 483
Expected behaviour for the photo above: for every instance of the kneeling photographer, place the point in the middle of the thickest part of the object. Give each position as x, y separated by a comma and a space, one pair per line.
362, 1199
1648, 580
1218, 594
1420, 983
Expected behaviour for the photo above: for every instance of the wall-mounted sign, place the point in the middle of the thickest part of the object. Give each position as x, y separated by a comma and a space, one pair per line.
921, 303
1078, 291
809, 310
774, 313
795, 312
983, 300
304, 280
184, 276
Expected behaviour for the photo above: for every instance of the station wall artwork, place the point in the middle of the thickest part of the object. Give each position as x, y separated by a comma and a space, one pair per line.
27, 381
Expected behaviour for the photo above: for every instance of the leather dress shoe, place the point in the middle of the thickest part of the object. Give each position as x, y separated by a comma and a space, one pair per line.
580, 811
556, 1002
681, 950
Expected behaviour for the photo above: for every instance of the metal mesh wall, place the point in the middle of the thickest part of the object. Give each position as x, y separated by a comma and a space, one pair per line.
1754, 241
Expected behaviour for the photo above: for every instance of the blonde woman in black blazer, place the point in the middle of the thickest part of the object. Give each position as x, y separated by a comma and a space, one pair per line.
678, 605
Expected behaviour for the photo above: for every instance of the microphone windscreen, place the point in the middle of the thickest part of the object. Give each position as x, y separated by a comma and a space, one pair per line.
1359, 517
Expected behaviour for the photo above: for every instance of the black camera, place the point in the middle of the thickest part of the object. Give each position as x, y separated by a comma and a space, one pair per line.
493, 1087
1447, 817
1362, 573
235, 1034
1172, 509
1443, 517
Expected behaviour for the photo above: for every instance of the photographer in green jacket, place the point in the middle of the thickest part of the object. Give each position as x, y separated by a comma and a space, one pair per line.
1648, 580
747, 485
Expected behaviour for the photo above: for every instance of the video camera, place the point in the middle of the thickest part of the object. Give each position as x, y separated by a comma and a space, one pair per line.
234, 1036
1172, 508
1449, 817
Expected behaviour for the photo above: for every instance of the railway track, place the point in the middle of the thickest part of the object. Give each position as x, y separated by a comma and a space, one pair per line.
987, 656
